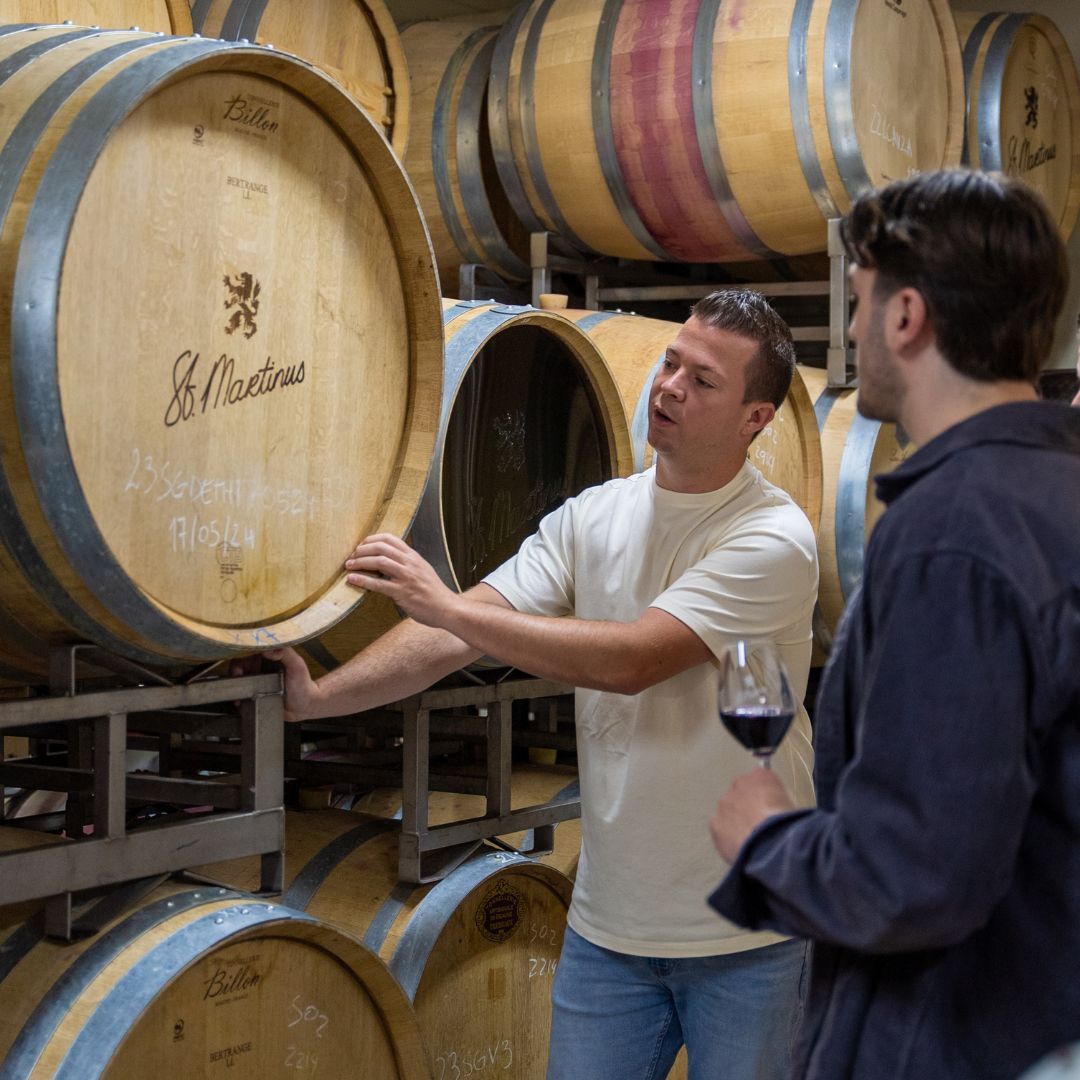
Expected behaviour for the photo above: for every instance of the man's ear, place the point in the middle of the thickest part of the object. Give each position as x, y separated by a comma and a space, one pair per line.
761, 416
907, 319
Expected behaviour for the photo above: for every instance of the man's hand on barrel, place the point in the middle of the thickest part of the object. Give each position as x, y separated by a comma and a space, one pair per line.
301, 690
385, 564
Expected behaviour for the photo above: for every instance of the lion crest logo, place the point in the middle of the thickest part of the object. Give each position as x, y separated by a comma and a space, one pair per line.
1031, 103
242, 293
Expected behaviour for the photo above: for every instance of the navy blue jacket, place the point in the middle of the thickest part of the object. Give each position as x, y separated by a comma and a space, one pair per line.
940, 874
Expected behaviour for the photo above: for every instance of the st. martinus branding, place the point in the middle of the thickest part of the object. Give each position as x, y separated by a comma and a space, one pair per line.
199, 386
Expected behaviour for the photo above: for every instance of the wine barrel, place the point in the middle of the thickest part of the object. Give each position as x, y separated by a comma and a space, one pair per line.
530, 416
475, 952
449, 157
355, 41
632, 127
787, 452
530, 785
854, 450
1023, 105
242, 370
167, 16
183, 982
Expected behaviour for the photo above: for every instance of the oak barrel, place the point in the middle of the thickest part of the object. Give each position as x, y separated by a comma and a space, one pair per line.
183, 982
355, 41
475, 952
1023, 105
449, 158
787, 452
854, 450
704, 131
167, 16
530, 416
241, 372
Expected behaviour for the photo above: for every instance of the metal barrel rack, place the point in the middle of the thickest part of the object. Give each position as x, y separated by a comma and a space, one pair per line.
241, 811
408, 731
608, 281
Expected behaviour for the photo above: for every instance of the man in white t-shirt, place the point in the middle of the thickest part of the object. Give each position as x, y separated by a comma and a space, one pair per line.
629, 592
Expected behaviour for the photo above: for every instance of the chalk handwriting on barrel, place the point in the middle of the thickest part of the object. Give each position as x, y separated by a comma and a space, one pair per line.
764, 457
189, 533
308, 1014
542, 965
881, 125
296, 1058
541, 932
164, 481
495, 1057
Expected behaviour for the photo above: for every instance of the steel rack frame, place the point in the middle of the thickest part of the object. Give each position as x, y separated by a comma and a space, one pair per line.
249, 814
430, 852
609, 281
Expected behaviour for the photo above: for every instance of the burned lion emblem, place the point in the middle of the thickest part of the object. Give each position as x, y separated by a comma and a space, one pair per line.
242, 293
1031, 103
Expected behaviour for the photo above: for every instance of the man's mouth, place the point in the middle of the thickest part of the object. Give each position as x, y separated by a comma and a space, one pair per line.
662, 416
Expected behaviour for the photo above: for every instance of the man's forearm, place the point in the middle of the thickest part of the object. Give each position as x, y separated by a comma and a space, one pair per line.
593, 654
616, 657
404, 661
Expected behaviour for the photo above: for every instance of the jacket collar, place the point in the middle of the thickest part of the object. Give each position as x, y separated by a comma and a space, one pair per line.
1038, 424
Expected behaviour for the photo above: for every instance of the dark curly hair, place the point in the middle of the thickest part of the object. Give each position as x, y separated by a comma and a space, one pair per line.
985, 254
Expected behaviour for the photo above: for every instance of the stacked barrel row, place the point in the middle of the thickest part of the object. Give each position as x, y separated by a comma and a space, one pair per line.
180, 441
703, 132
243, 373
204, 511
347, 973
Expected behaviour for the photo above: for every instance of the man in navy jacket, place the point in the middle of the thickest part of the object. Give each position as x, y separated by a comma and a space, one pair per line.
939, 876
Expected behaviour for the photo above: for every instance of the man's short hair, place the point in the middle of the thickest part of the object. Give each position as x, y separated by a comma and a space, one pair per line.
746, 312
984, 253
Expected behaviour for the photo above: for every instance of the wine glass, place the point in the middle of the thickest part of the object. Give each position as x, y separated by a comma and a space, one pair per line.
755, 700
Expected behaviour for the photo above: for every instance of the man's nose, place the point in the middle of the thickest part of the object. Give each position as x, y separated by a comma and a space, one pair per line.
671, 383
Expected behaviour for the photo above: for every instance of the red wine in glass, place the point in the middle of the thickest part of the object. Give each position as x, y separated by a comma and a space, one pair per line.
759, 729
755, 700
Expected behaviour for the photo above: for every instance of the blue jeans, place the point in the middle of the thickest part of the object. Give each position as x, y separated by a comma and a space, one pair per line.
619, 1017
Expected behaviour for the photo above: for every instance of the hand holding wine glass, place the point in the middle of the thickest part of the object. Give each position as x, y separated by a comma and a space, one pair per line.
755, 700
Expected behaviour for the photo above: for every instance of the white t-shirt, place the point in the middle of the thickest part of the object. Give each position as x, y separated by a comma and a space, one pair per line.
738, 562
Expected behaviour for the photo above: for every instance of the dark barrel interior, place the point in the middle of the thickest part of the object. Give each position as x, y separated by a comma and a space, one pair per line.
525, 433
